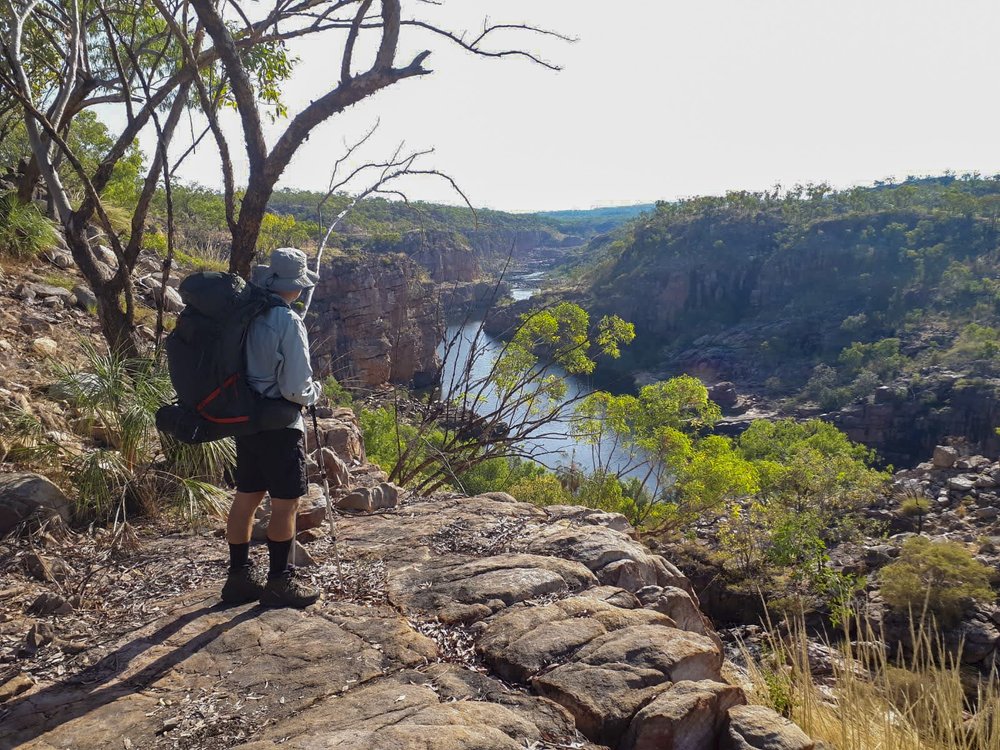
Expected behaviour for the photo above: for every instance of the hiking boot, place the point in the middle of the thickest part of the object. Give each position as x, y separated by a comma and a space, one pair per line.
288, 591
243, 585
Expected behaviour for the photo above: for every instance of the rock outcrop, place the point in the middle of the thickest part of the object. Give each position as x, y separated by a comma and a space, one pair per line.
375, 319
904, 422
446, 256
29, 497
460, 624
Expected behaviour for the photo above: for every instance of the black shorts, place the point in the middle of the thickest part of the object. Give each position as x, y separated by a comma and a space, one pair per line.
272, 461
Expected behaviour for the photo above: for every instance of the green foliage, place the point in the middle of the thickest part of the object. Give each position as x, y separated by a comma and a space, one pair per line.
915, 506
811, 465
284, 231
880, 357
24, 232
335, 393
90, 140
25, 441
137, 466
560, 335
658, 431
543, 489
813, 485
941, 575
385, 436
975, 342
498, 475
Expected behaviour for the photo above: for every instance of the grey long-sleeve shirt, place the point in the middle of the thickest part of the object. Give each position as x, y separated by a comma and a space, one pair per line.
278, 359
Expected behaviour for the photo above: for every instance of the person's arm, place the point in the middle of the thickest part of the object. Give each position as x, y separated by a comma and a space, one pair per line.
295, 372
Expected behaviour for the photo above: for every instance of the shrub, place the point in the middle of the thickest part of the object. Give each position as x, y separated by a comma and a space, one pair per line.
541, 490
497, 475
335, 393
943, 576
118, 399
915, 506
24, 231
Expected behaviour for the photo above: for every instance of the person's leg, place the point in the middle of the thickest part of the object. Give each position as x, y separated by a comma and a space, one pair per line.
280, 534
243, 584
239, 526
287, 482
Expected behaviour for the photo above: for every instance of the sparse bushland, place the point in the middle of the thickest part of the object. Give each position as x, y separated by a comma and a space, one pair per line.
822, 295
872, 700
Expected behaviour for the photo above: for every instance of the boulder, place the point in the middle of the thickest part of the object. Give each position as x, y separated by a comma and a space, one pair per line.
760, 728
310, 515
337, 473
370, 499
616, 559
342, 433
962, 484
977, 638
465, 590
24, 496
58, 257
172, 301
85, 299
106, 255
724, 394
45, 346
582, 514
678, 605
944, 457
617, 673
522, 641
686, 716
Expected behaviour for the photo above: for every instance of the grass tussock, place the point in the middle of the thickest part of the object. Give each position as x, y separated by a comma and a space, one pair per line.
924, 700
24, 231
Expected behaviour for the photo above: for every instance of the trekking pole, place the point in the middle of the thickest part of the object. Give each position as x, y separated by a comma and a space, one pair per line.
326, 494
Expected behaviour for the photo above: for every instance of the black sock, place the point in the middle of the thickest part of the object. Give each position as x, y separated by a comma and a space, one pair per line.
239, 555
278, 554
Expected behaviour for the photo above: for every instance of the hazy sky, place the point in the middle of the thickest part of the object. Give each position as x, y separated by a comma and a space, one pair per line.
667, 98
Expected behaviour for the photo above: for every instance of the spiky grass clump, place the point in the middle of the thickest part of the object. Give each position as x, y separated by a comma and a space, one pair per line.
24, 231
118, 398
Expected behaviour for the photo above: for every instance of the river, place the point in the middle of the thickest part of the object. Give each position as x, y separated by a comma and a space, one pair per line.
554, 445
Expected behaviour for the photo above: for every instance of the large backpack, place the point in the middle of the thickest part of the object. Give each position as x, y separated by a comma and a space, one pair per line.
207, 361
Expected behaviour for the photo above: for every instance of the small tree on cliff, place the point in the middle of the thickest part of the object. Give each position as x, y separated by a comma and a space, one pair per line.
511, 409
654, 440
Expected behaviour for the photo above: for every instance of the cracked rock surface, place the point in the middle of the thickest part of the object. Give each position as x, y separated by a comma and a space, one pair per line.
460, 624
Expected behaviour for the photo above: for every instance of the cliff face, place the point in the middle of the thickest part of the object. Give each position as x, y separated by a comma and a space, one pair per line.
446, 256
905, 423
375, 320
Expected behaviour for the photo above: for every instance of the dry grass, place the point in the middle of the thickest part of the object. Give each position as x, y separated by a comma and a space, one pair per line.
874, 702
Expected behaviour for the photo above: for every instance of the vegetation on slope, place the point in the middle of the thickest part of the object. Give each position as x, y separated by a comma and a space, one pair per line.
819, 294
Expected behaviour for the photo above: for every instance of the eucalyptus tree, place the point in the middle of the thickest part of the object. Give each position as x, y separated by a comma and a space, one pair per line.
61, 57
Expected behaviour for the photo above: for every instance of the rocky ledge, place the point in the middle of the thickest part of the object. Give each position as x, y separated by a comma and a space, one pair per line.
449, 623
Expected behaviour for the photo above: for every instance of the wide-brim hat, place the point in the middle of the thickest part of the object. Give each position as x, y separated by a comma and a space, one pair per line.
288, 271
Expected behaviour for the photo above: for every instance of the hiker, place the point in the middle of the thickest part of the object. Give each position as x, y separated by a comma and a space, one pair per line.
274, 461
